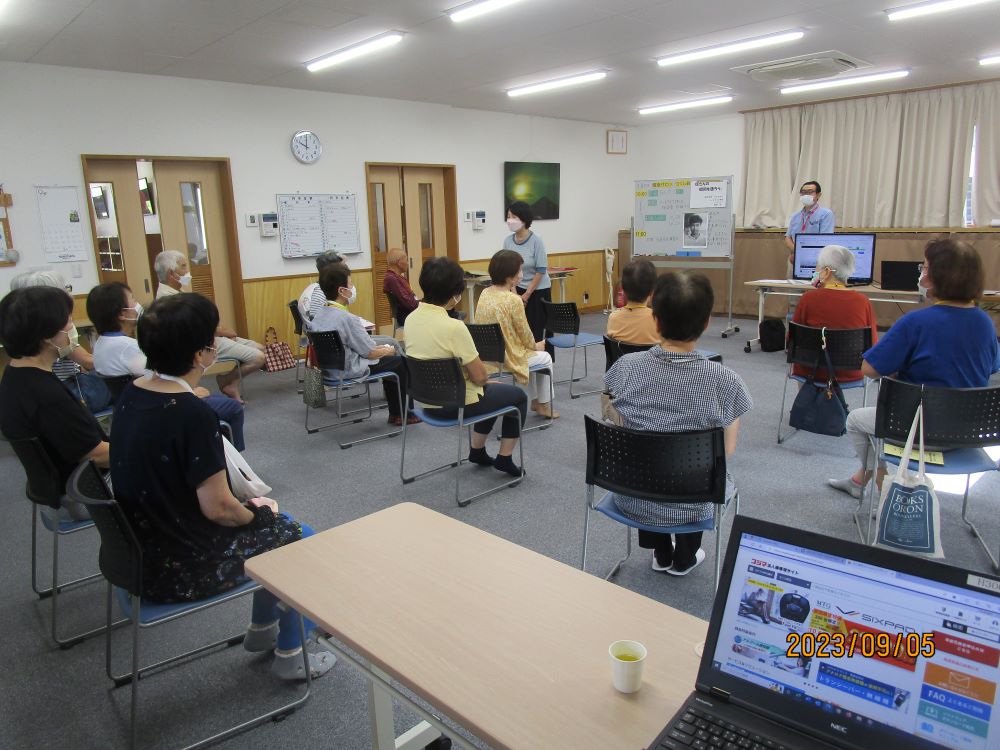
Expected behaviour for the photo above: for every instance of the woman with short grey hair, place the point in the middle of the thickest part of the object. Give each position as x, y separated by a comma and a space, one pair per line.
836, 260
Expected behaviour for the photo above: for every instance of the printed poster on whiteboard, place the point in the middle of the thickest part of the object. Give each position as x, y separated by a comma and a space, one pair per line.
709, 194
62, 229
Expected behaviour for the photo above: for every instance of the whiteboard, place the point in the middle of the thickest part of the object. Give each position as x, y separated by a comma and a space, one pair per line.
62, 229
664, 208
310, 225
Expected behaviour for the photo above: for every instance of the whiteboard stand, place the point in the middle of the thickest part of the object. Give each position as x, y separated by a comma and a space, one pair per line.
730, 328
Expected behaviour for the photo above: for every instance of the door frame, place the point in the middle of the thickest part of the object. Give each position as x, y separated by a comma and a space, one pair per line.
228, 219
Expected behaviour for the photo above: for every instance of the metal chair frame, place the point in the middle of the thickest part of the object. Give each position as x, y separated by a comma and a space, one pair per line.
627, 472
118, 540
805, 347
451, 394
966, 418
330, 355
489, 341
301, 343
564, 318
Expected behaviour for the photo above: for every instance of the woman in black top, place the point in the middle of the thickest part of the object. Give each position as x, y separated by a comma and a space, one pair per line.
35, 325
168, 468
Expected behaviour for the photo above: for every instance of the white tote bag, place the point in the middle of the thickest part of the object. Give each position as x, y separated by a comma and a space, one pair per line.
909, 518
245, 484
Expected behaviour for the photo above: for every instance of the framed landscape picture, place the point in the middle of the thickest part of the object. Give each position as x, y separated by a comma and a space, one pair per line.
535, 183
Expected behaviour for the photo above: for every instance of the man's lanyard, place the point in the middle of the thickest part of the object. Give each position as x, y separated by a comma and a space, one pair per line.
807, 216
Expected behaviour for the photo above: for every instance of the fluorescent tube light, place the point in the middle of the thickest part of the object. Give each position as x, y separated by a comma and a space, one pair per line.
558, 83
995, 60
685, 105
355, 50
471, 10
835, 82
725, 49
925, 9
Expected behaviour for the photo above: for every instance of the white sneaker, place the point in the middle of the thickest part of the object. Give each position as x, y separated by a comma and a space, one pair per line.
660, 568
848, 485
699, 558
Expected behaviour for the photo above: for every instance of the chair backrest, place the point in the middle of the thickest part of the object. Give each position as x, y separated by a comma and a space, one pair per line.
952, 416
330, 354
438, 382
115, 384
846, 346
664, 466
612, 351
293, 307
488, 338
393, 310
43, 487
121, 554
561, 317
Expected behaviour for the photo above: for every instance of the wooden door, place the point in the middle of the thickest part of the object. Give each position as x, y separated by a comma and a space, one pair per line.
386, 229
193, 220
424, 215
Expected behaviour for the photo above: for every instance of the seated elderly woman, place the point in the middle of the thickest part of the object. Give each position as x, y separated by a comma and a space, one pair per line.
673, 388
501, 304
951, 344
114, 312
833, 305
432, 334
36, 326
169, 473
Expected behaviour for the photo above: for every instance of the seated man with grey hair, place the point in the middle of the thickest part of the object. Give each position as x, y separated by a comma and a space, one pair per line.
174, 274
833, 305
312, 299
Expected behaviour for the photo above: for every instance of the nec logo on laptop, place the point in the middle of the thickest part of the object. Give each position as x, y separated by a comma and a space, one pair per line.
838, 728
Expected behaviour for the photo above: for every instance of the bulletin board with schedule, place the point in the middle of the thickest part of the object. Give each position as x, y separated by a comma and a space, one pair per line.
684, 217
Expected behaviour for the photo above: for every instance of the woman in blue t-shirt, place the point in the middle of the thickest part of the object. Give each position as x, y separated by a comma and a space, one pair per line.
951, 344
535, 285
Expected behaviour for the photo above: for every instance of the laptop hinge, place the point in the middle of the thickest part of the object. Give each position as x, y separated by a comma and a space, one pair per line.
719, 693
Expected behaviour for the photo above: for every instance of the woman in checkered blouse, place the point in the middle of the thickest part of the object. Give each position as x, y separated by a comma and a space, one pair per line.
674, 388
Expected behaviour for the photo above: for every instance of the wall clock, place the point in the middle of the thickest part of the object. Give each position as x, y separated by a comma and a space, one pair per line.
306, 146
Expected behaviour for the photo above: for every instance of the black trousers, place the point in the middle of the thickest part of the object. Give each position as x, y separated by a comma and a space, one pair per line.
393, 363
495, 396
679, 551
535, 312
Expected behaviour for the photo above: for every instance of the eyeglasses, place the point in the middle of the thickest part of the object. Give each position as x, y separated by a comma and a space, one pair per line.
807, 191
921, 267
68, 287
209, 349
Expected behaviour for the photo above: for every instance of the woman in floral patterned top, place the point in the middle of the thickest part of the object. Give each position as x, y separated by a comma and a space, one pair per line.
501, 304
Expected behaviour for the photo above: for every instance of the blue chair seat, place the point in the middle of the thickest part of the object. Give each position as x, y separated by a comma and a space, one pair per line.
956, 461
427, 415
607, 507
64, 527
565, 340
370, 378
151, 612
844, 384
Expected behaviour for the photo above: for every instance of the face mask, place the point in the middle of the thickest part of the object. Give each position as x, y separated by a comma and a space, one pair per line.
514, 225
814, 279
925, 293
185, 279
137, 310
806, 200
353, 296
74, 336
454, 301
65, 351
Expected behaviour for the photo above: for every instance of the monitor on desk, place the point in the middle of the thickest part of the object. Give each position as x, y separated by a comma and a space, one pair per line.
808, 246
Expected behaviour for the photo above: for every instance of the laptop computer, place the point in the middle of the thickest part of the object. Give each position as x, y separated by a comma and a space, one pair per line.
862, 245
791, 604
900, 275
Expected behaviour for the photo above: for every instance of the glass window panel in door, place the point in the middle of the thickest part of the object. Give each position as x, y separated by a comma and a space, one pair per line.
426, 216
194, 223
380, 231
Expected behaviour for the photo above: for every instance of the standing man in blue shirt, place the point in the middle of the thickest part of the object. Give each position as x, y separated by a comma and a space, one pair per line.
811, 219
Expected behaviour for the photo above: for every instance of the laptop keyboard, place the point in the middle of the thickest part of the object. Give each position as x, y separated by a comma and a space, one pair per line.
699, 729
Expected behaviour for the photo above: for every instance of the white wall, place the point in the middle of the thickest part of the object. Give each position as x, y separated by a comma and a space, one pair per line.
61, 113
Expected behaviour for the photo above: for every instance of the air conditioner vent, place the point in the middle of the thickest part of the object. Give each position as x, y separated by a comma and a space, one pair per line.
810, 67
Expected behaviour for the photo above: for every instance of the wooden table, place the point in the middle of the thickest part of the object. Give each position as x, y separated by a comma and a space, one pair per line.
510, 644
786, 288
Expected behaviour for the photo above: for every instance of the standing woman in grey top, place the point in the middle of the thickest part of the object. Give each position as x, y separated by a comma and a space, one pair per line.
535, 283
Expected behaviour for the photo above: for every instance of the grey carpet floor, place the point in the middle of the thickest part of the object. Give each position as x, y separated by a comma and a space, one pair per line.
54, 698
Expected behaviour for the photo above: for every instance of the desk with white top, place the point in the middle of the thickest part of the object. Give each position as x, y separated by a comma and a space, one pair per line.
509, 644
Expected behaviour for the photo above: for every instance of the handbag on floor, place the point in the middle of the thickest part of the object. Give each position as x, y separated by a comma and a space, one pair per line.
909, 517
277, 353
771, 333
243, 482
820, 408
313, 390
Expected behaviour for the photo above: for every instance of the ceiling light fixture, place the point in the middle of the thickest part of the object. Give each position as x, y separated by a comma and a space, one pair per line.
685, 105
725, 49
471, 10
853, 80
995, 60
355, 50
926, 9
558, 83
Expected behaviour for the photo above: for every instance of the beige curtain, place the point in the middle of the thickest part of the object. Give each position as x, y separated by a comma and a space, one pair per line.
771, 152
986, 183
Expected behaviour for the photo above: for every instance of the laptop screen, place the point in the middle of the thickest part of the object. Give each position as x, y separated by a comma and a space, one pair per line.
807, 247
859, 645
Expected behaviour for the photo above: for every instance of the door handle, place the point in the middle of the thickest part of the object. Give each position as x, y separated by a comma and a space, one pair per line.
145, 283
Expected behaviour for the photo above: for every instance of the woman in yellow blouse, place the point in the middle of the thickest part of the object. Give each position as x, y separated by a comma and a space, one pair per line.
501, 304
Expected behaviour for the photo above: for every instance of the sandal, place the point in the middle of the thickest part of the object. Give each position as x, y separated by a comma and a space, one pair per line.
289, 666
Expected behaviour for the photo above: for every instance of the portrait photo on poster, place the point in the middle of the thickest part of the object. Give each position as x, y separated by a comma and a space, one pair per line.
695, 231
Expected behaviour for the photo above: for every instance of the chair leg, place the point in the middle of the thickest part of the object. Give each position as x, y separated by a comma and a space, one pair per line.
54, 591
864, 535
586, 526
134, 711
586, 373
781, 413
458, 462
552, 403
628, 553
972, 526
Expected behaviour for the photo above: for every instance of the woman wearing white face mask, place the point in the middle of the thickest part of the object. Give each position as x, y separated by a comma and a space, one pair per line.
535, 284
35, 325
812, 218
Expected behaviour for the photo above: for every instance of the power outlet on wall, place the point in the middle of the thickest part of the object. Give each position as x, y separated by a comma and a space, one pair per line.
586, 297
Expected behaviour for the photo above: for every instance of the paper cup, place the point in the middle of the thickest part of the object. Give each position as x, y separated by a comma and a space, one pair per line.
627, 659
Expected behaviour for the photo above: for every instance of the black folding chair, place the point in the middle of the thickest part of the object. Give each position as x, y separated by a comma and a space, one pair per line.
301, 342
394, 312
613, 349
331, 355
440, 383
665, 467
562, 320
805, 347
121, 563
489, 341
